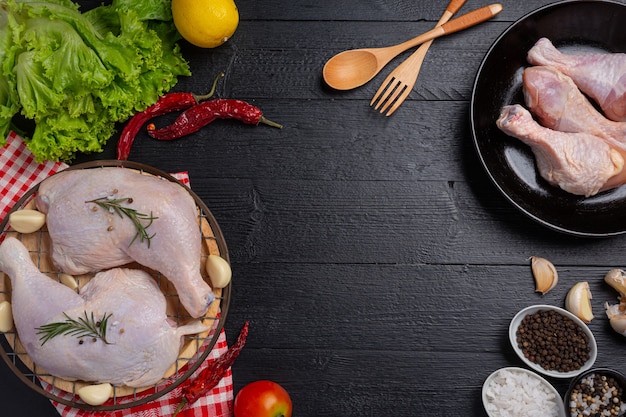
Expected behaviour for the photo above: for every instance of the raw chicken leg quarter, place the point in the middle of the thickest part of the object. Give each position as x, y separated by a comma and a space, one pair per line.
107, 217
138, 342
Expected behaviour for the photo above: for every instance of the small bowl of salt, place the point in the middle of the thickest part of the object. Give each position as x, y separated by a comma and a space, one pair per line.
518, 392
598, 391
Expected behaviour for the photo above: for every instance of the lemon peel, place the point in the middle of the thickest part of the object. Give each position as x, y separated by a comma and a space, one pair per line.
205, 23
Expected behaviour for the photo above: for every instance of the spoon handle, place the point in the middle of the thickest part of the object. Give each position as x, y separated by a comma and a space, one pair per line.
472, 18
462, 22
452, 8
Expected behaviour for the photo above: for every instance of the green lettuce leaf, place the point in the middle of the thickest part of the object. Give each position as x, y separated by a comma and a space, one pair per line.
78, 74
36, 93
72, 65
60, 138
8, 107
147, 9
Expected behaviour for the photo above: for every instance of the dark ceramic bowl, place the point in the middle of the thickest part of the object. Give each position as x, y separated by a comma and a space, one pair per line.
571, 26
619, 378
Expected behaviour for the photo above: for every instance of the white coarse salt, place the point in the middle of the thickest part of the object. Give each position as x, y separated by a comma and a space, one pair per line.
511, 393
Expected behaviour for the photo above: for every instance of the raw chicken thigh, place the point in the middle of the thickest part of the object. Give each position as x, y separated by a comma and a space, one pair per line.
140, 343
602, 76
86, 237
579, 163
559, 105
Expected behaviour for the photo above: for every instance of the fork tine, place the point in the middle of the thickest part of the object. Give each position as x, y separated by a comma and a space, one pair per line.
390, 92
399, 84
401, 88
399, 101
386, 84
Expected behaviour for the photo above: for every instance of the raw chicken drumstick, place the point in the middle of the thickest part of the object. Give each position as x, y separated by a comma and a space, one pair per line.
579, 163
559, 105
87, 237
602, 76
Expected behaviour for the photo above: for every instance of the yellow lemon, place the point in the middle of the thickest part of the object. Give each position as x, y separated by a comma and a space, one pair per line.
205, 23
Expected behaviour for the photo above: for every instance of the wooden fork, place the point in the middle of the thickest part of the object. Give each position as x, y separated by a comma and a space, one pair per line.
400, 82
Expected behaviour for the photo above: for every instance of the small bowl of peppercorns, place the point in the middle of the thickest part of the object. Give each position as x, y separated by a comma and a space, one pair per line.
553, 341
596, 392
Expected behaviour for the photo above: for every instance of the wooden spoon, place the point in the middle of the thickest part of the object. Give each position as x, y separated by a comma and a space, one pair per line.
353, 68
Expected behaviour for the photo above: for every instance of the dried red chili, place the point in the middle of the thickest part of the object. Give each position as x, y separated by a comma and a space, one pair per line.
165, 104
201, 114
213, 373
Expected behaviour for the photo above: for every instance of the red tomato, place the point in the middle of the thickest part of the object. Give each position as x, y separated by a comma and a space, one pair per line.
263, 399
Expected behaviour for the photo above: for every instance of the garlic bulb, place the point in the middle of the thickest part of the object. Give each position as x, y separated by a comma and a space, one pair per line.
544, 273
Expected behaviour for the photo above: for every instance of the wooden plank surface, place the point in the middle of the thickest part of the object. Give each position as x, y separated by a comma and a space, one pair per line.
378, 266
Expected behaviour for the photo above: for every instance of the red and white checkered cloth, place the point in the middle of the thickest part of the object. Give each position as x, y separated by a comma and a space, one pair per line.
18, 173
217, 403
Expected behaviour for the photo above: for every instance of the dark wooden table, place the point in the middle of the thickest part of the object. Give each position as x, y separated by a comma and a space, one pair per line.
376, 262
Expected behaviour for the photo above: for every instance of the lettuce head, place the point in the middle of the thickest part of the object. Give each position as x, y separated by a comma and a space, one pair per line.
76, 75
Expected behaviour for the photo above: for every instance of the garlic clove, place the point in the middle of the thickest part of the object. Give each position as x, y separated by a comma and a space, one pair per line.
95, 394
219, 271
578, 301
616, 278
68, 281
27, 220
617, 318
616, 313
544, 273
6, 317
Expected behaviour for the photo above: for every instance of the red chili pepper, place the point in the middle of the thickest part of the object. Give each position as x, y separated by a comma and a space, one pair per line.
202, 114
165, 104
213, 373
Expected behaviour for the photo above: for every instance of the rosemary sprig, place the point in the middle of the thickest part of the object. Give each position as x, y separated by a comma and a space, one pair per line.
114, 206
82, 327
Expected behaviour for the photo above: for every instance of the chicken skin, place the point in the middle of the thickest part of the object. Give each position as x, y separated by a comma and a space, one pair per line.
87, 237
558, 104
602, 76
579, 163
138, 345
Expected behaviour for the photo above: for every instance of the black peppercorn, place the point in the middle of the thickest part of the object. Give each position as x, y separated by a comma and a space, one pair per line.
553, 341
597, 395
